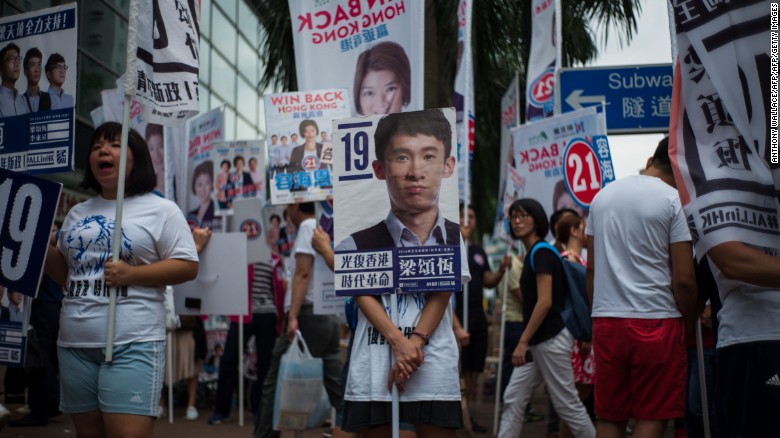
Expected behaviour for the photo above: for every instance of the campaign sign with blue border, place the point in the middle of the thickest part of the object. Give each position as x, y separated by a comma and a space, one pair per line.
13, 343
37, 108
27, 208
396, 204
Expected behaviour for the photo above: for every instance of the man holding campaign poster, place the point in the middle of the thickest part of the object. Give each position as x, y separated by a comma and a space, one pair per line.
414, 248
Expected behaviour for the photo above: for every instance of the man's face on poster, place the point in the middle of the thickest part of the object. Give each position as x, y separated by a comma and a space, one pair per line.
57, 74
15, 298
414, 167
33, 71
11, 62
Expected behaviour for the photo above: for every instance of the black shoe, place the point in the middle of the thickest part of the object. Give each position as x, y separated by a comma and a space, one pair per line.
477, 428
28, 421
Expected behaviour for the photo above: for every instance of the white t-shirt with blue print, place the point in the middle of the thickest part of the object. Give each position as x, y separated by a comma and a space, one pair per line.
153, 229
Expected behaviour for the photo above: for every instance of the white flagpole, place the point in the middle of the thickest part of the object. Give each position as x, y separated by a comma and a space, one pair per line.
702, 381
132, 45
501, 337
240, 370
396, 401
170, 377
559, 53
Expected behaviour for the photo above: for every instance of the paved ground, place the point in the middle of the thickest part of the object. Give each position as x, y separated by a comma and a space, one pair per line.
62, 427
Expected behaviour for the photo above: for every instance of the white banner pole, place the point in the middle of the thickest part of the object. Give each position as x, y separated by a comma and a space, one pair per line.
240, 370
132, 30
169, 348
702, 381
499, 376
396, 401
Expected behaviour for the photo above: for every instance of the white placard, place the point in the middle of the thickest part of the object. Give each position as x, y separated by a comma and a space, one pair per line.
221, 287
247, 219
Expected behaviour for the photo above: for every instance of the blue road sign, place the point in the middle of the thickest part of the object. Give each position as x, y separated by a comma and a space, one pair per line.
638, 98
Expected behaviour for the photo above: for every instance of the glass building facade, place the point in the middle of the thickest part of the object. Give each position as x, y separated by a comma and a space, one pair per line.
230, 65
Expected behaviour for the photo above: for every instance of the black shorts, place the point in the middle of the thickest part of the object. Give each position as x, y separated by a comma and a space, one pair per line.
748, 385
472, 356
359, 416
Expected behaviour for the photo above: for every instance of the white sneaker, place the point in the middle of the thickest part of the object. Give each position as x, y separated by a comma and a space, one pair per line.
192, 413
161, 412
5, 415
24, 410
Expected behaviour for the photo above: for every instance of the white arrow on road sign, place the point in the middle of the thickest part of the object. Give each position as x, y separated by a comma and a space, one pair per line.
576, 99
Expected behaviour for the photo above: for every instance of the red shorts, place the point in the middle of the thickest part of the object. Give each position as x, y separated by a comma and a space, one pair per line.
641, 368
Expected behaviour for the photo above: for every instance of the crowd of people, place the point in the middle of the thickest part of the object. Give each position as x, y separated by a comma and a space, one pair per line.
641, 282
648, 294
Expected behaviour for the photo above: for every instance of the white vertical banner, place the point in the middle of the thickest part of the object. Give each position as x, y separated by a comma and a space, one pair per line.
464, 100
721, 126
540, 81
167, 60
373, 48
510, 118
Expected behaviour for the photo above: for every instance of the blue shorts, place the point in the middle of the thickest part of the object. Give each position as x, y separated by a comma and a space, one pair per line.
130, 384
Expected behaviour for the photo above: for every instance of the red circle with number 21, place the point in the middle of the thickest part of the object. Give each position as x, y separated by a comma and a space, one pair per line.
581, 171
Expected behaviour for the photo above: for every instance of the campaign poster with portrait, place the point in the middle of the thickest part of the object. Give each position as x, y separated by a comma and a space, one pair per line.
239, 173
373, 49
37, 99
541, 163
202, 133
247, 219
280, 232
399, 171
300, 143
14, 316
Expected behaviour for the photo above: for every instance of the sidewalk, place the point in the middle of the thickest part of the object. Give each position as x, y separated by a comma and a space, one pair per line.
62, 427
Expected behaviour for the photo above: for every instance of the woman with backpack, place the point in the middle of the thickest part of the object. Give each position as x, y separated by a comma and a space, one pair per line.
570, 230
545, 340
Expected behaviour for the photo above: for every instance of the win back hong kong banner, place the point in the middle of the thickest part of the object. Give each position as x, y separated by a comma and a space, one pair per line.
400, 172
300, 143
562, 161
37, 98
372, 48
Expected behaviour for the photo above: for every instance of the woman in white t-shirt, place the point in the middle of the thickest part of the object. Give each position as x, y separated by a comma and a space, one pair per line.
156, 249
